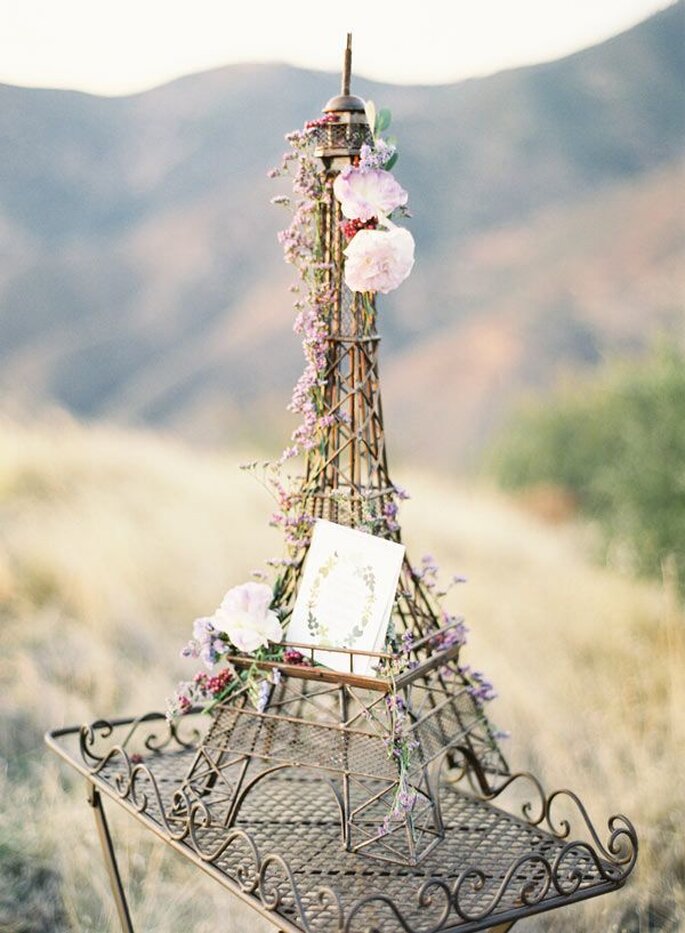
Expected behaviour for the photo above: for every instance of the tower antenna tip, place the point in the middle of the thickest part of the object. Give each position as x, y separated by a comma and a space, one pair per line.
347, 66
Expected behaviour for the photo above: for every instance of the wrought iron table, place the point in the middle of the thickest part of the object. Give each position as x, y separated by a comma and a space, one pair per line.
286, 861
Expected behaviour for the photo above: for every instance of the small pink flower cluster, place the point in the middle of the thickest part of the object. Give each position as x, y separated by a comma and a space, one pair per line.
321, 121
201, 689
213, 685
291, 656
350, 227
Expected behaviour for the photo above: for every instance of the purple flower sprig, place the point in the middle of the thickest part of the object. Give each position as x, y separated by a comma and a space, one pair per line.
399, 744
478, 685
314, 298
207, 643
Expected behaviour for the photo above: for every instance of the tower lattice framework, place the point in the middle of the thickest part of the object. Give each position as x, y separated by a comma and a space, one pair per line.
338, 729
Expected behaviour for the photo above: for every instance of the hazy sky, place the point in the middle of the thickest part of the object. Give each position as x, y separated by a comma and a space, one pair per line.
128, 45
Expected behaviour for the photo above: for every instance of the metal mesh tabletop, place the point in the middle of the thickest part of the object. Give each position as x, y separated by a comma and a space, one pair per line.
284, 854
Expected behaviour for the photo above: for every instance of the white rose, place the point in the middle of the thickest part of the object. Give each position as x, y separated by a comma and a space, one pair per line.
378, 260
244, 615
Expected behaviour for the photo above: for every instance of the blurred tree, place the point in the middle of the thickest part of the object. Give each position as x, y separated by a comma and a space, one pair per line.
617, 443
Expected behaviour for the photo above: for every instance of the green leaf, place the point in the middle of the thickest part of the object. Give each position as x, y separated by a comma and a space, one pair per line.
382, 121
391, 161
370, 110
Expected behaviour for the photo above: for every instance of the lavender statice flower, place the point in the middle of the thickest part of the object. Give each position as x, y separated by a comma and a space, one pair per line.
203, 642
384, 828
480, 687
406, 800
455, 634
209, 655
376, 156
390, 515
282, 562
263, 695
203, 634
407, 641
429, 564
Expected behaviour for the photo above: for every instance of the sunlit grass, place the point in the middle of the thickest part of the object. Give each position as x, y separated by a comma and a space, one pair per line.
112, 542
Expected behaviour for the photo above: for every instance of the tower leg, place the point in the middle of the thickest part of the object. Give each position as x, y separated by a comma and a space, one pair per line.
95, 801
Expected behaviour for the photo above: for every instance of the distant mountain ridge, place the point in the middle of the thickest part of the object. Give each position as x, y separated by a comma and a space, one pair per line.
140, 278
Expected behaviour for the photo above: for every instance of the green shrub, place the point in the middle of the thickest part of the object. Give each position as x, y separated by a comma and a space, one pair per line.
618, 444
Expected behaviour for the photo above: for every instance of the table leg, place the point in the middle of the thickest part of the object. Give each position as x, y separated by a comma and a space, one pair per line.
95, 800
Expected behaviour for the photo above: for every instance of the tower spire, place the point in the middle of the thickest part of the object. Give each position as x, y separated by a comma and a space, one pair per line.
347, 67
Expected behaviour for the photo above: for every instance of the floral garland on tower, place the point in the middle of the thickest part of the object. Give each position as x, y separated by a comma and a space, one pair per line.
379, 256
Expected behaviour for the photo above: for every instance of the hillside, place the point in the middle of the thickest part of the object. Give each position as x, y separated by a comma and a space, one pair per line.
140, 278
111, 542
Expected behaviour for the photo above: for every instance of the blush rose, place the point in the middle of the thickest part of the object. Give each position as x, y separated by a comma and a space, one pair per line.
367, 193
379, 260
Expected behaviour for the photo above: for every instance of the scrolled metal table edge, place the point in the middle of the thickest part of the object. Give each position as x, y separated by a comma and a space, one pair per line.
135, 788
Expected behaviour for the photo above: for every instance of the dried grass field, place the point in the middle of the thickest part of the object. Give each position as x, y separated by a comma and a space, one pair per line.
111, 542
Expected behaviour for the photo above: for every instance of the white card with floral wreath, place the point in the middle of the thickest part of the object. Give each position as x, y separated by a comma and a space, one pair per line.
346, 595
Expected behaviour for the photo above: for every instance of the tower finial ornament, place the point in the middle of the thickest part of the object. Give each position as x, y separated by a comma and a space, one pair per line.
345, 103
347, 67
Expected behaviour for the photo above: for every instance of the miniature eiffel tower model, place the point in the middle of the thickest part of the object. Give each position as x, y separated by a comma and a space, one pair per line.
318, 721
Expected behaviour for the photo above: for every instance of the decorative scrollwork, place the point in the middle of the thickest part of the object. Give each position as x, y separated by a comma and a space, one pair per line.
467, 764
424, 900
577, 862
615, 860
88, 736
621, 848
473, 881
173, 735
527, 806
622, 844
101, 729
272, 896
